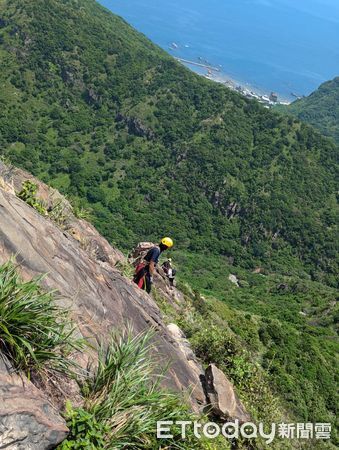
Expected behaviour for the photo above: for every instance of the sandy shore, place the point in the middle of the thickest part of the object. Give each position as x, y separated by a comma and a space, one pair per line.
243, 87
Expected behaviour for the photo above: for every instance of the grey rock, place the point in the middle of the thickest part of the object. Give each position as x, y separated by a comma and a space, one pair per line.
11, 180
233, 279
101, 299
222, 396
27, 420
135, 126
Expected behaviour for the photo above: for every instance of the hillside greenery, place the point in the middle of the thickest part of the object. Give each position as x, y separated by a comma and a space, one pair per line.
287, 325
320, 109
275, 366
93, 108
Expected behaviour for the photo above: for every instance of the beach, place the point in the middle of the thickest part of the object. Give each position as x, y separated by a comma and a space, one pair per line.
216, 74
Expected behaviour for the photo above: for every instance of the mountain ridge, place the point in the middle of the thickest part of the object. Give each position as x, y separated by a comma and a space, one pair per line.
320, 109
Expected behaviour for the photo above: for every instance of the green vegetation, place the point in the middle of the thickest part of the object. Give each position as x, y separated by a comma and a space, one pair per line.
286, 325
85, 431
275, 366
320, 109
287, 298
93, 108
29, 195
124, 401
60, 211
123, 398
33, 329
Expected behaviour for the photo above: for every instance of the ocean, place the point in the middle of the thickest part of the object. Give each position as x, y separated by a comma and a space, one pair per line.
285, 46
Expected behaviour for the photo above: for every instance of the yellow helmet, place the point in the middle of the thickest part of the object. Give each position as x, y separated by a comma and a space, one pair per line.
167, 241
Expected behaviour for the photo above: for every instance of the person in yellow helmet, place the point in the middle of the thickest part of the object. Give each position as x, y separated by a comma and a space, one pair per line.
145, 270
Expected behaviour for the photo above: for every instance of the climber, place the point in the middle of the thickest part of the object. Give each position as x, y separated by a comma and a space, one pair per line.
167, 267
144, 271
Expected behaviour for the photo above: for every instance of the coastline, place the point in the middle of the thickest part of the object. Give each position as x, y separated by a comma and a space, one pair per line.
216, 74
262, 45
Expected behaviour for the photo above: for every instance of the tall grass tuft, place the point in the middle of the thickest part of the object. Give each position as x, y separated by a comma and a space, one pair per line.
33, 329
125, 401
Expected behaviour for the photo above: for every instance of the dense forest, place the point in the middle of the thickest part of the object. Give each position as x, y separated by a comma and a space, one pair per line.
320, 109
96, 110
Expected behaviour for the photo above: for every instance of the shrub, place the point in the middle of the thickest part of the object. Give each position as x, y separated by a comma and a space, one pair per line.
126, 269
33, 329
200, 304
28, 195
85, 431
124, 401
60, 213
80, 211
214, 345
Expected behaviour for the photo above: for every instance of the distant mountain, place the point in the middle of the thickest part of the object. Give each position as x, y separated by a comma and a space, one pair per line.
320, 109
94, 108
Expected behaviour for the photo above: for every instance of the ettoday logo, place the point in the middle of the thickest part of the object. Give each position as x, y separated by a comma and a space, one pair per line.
248, 430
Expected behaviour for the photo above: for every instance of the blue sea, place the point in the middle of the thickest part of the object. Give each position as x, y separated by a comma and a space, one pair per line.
286, 46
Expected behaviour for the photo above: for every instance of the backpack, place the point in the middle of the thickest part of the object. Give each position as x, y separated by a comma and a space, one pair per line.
139, 253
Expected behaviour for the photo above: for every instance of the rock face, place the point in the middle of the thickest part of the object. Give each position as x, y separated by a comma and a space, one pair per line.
184, 344
27, 420
185, 348
11, 180
135, 126
222, 397
233, 279
93, 243
101, 299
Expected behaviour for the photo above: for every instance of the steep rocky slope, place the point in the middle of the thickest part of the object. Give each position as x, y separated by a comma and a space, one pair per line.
93, 108
100, 297
80, 266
